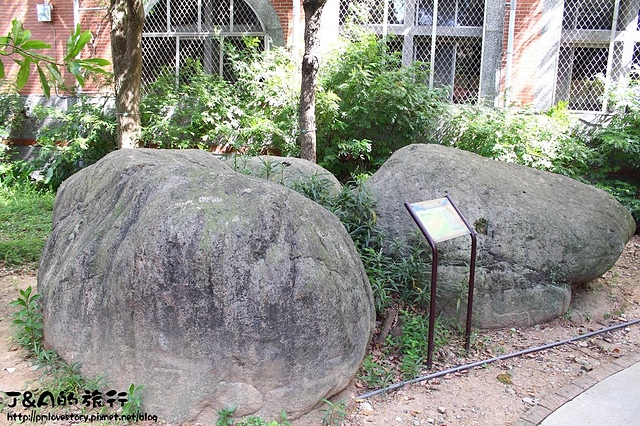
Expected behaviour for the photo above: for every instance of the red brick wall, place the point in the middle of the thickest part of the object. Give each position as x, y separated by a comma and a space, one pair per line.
97, 21
54, 33
526, 49
284, 10
57, 31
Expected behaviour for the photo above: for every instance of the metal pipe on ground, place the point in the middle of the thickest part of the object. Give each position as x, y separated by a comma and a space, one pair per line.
498, 358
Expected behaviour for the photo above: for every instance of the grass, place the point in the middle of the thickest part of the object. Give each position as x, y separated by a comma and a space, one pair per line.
25, 223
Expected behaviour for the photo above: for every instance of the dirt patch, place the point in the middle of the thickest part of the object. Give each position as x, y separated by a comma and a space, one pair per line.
495, 394
501, 392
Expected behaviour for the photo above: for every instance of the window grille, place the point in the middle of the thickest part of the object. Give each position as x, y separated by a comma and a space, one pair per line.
177, 30
456, 58
597, 51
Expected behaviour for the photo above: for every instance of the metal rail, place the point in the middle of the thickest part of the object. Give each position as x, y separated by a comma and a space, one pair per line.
498, 358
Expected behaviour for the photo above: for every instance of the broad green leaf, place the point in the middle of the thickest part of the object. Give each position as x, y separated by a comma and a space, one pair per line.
23, 73
16, 30
48, 176
35, 44
97, 61
76, 42
85, 37
44, 82
75, 69
23, 38
1, 70
55, 73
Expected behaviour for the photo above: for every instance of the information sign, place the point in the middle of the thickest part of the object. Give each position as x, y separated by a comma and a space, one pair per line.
440, 218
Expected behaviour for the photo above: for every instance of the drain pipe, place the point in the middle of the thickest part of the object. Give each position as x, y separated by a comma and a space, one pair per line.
509, 60
491, 360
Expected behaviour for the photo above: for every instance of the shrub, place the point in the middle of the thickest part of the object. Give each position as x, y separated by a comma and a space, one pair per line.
397, 273
369, 105
616, 139
516, 136
254, 112
556, 141
268, 87
194, 113
77, 137
11, 115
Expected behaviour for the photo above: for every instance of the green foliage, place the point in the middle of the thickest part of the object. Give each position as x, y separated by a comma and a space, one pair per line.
197, 113
369, 105
316, 188
375, 373
16, 173
514, 136
626, 193
254, 113
19, 46
28, 320
58, 375
268, 85
225, 418
334, 414
396, 271
412, 343
10, 114
76, 138
615, 141
556, 141
134, 400
25, 223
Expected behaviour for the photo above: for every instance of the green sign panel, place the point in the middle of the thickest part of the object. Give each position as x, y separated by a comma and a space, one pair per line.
440, 219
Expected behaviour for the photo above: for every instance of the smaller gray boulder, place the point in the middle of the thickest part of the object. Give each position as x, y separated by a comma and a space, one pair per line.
288, 171
538, 232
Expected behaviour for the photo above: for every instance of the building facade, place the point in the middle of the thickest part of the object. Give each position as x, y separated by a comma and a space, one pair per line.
525, 52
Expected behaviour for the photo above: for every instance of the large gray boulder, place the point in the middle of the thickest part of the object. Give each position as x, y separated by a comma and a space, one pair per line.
210, 288
538, 233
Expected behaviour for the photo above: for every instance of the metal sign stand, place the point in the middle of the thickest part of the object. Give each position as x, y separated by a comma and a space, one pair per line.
445, 221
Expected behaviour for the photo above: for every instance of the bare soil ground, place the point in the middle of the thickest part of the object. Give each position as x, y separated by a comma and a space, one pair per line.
501, 392
495, 394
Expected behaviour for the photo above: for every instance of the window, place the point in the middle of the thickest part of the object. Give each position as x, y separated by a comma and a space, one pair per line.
581, 76
451, 13
588, 59
456, 66
177, 30
457, 56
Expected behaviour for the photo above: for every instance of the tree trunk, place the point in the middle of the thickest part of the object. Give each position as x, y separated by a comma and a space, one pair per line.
310, 65
127, 19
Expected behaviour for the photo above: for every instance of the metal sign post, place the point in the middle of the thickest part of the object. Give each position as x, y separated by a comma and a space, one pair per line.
440, 220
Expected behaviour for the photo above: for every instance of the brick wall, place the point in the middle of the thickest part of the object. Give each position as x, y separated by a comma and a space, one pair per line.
54, 33
526, 51
97, 21
284, 10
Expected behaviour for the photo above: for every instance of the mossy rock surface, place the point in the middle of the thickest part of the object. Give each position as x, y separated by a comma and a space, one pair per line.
210, 288
538, 233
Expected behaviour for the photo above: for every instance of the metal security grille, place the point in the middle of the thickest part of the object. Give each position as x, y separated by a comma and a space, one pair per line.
178, 30
456, 57
596, 51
